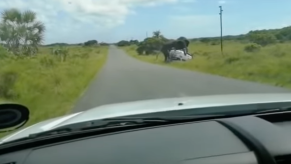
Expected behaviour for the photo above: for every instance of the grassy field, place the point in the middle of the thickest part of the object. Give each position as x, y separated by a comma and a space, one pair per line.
271, 65
47, 85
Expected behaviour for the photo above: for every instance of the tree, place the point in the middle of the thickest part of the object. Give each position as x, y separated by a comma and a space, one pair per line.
182, 38
205, 40
20, 32
133, 42
57, 44
157, 34
61, 52
91, 43
104, 44
150, 45
123, 43
262, 39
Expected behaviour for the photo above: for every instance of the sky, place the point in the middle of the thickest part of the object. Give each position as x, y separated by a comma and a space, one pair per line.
77, 21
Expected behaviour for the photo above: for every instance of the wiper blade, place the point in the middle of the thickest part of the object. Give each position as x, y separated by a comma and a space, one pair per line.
117, 122
98, 125
272, 110
164, 118
122, 122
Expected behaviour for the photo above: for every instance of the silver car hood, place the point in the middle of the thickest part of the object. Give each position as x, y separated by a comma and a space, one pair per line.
146, 107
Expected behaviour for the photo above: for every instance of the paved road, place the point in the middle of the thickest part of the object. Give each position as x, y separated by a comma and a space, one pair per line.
124, 78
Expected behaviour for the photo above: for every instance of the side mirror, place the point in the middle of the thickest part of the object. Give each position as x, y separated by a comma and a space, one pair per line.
12, 115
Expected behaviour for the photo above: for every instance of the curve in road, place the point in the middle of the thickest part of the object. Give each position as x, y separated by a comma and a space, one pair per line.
124, 78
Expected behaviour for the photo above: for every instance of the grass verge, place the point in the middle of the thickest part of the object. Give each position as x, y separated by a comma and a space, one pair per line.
48, 86
270, 65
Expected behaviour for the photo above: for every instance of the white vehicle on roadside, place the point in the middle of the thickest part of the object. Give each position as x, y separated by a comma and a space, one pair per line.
179, 55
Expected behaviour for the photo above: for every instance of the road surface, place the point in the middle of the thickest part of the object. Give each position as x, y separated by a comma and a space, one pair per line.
124, 78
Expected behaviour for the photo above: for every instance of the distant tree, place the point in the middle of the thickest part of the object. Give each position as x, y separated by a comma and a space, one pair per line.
262, 39
133, 42
151, 45
123, 43
182, 38
57, 44
104, 44
91, 43
157, 34
164, 39
205, 40
140, 50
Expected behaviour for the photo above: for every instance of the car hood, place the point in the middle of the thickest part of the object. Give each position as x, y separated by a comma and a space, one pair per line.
146, 107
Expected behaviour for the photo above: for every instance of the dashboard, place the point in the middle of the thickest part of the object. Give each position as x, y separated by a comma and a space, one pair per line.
264, 139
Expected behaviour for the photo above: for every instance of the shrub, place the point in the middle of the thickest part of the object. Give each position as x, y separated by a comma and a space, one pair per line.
253, 47
140, 50
7, 81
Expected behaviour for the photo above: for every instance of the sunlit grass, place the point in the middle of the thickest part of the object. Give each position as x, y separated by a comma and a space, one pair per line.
45, 84
272, 64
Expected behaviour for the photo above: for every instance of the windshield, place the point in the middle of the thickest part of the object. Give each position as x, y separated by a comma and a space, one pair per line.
60, 57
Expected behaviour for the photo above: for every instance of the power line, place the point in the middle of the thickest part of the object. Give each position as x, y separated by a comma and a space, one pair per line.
221, 40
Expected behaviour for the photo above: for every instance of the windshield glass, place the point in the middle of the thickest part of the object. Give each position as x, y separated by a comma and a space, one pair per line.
60, 57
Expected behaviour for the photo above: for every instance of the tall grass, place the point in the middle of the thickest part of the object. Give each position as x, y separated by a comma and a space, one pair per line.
48, 86
270, 65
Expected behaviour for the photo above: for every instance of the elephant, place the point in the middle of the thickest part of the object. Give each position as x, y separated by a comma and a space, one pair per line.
176, 45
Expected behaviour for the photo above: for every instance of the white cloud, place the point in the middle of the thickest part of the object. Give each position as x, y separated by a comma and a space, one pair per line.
64, 17
197, 20
221, 2
182, 9
188, 1
193, 25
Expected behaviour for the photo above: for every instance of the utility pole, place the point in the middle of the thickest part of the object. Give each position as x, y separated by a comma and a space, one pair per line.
146, 34
221, 41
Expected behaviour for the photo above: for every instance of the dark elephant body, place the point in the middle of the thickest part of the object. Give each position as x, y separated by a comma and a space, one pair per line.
176, 45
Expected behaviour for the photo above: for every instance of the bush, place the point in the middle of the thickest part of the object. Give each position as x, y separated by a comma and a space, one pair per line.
253, 47
150, 45
262, 39
7, 82
123, 43
140, 50
104, 44
214, 43
205, 40
91, 43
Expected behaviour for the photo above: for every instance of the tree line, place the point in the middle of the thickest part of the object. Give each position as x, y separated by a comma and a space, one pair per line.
255, 39
87, 43
261, 37
150, 45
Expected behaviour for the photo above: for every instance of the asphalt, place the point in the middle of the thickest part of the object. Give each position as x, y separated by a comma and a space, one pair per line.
124, 79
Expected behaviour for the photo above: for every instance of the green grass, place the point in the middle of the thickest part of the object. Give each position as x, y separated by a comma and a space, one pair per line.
45, 84
271, 65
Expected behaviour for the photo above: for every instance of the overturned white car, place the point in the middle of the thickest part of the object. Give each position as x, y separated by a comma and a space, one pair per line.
179, 55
